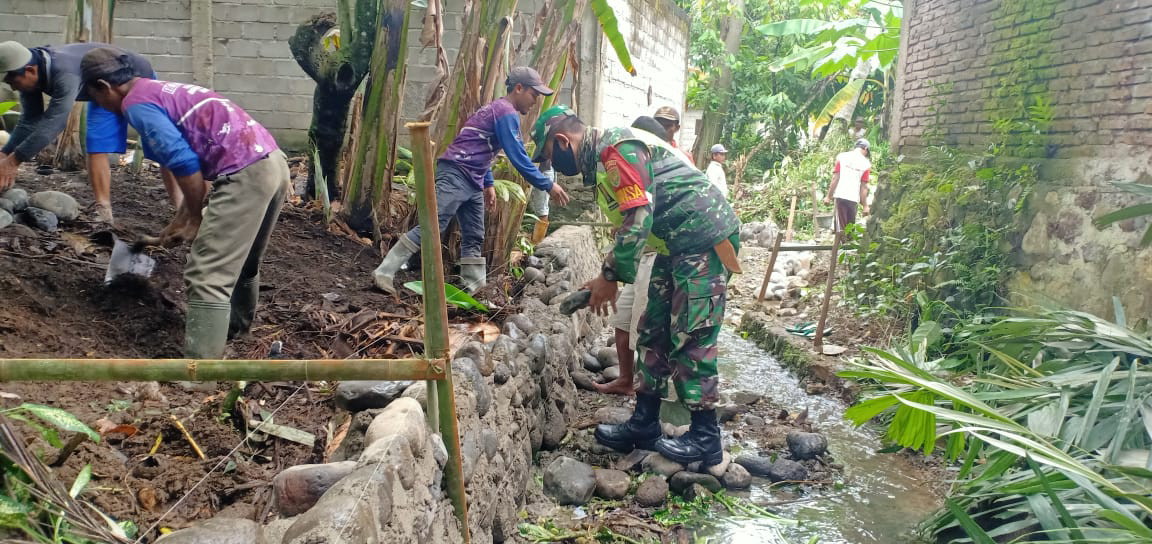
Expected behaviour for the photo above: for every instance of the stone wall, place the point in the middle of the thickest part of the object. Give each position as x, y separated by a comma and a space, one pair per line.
249, 60
514, 397
966, 65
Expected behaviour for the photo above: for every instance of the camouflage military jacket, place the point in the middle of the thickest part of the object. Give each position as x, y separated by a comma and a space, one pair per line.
657, 197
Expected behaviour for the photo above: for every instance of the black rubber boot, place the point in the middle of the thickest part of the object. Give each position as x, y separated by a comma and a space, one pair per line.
640, 431
700, 443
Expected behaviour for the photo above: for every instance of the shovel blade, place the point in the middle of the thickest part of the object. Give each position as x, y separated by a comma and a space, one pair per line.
128, 260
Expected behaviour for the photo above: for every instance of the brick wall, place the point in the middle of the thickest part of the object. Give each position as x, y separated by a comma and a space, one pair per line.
252, 65
964, 65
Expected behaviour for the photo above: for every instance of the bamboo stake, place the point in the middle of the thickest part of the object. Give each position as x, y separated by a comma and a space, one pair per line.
771, 265
172, 370
791, 216
188, 437
436, 316
818, 340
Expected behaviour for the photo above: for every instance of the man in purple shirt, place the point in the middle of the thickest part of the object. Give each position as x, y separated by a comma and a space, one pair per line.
464, 178
203, 138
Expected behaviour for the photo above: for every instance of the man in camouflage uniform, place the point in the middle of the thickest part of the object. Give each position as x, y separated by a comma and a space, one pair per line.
658, 199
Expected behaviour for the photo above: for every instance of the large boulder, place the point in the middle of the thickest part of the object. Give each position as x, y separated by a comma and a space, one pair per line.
62, 205
806, 445
18, 197
754, 463
683, 480
297, 488
652, 492
403, 417
41, 219
737, 477
612, 484
569, 482
787, 470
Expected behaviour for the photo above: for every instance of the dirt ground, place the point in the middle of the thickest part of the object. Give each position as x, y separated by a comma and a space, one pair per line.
316, 297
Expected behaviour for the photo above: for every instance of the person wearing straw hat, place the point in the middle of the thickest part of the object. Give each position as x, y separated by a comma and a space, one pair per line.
54, 70
657, 198
203, 138
464, 182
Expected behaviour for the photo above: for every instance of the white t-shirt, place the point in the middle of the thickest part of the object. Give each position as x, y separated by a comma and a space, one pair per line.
854, 169
716, 176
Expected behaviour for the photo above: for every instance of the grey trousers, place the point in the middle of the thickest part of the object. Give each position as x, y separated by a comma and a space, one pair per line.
457, 196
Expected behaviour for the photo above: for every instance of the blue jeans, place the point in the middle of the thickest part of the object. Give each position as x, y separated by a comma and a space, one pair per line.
457, 196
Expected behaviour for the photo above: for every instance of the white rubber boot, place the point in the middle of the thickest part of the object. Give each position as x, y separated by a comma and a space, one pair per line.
474, 272
397, 256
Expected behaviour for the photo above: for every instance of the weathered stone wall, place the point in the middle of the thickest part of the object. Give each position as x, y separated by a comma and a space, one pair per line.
966, 65
514, 397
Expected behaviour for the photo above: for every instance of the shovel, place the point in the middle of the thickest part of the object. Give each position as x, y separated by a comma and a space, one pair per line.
129, 259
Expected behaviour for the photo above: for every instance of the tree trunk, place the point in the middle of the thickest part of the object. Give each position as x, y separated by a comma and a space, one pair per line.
711, 123
337, 65
370, 184
90, 21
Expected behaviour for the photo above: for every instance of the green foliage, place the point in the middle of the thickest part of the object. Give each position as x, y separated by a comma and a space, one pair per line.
1048, 412
35, 414
611, 29
452, 295
1131, 212
5, 107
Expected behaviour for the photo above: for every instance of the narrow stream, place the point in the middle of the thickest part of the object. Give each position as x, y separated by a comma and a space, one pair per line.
884, 495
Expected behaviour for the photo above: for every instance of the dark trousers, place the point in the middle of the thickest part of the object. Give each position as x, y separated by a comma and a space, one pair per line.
845, 213
457, 196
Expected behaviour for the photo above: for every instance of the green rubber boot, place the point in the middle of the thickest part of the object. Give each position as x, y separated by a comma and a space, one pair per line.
244, 299
474, 273
403, 250
206, 329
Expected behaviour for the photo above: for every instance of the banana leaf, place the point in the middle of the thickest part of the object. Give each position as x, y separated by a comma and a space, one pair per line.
610, 26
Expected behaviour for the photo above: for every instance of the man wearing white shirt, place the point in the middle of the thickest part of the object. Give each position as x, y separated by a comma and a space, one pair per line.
850, 183
715, 169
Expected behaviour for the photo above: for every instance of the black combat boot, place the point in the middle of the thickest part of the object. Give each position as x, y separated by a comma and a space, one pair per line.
700, 443
640, 431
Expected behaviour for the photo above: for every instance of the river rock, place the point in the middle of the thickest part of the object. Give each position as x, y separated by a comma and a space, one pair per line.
806, 445
583, 381
786, 312
7, 205
5, 218
490, 442
472, 375
18, 197
746, 398
419, 392
590, 362
716, 470
470, 452
439, 450
612, 484
728, 412
737, 477
652, 492
612, 415
632, 461
359, 395
607, 357
683, 480
538, 349
403, 417
60, 204
501, 373
658, 464
217, 531
754, 463
41, 219
611, 373
555, 428
297, 488
524, 323
533, 275
473, 350
752, 420
569, 481
787, 470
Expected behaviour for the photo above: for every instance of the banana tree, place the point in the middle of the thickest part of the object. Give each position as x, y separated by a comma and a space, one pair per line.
335, 50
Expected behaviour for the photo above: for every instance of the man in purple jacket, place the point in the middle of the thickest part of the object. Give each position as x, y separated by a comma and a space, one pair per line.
201, 136
464, 183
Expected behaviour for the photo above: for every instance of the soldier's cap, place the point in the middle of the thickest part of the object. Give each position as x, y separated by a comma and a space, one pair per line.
13, 56
526, 76
863, 143
667, 112
545, 125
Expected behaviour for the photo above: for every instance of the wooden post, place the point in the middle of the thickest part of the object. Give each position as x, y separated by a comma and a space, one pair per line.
771, 265
818, 340
436, 316
791, 216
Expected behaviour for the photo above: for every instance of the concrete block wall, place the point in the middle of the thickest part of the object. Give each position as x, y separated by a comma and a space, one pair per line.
963, 65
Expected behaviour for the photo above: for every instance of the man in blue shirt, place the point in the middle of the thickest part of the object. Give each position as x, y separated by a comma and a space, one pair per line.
464, 183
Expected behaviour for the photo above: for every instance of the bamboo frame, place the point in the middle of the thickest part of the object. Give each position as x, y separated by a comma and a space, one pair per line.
170, 370
771, 266
818, 340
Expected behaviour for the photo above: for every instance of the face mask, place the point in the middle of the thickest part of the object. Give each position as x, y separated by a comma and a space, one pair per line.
564, 160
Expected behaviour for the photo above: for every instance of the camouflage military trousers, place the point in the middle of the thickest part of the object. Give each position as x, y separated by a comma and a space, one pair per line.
679, 328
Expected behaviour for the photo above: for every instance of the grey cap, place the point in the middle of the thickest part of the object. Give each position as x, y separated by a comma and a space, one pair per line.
13, 56
863, 143
719, 148
523, 75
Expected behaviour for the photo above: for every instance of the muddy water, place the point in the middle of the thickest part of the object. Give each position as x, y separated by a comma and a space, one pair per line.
883, 497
